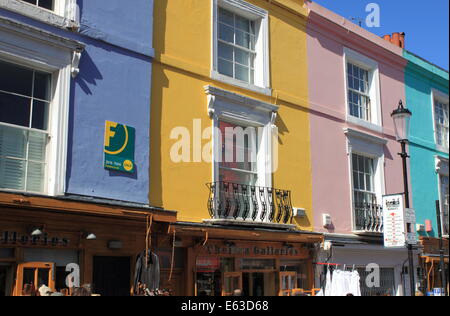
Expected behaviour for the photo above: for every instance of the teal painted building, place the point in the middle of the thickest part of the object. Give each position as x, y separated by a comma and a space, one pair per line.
427, 90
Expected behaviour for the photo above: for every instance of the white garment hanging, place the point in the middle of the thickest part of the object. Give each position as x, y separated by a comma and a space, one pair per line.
355, 284
328, 285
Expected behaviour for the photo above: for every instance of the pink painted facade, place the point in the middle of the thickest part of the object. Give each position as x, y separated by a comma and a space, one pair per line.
334, 135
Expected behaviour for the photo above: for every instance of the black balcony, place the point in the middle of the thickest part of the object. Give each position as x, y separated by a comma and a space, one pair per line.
369, 218
249, 203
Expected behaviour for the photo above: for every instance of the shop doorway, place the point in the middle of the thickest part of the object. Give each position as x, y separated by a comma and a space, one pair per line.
112, 276
257, 284
6, 280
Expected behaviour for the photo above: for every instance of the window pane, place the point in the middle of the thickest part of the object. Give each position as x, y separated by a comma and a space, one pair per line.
14, 110
226, 33
12, 143
226, 17
35, 177
243, 39
12, 174
43, 277
15, 79
233, 176
242, 57
242, 73
225, 51
47, 4
37, 146
40, 115
356, 180
42, 86
225, 67
243, 24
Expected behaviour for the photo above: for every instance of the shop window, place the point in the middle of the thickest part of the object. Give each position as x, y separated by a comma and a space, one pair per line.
24, 114
31, 276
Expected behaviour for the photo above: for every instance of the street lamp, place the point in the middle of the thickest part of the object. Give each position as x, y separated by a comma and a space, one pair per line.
402, 117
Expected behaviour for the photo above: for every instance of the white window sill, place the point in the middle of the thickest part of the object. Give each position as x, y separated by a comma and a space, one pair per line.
30, 193
365, 124
237, 83
38, 13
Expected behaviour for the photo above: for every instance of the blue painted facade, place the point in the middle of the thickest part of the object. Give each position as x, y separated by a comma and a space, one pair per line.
422, 81
114, 84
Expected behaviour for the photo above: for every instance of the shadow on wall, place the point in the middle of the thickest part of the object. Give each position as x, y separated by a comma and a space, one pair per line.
89, 73
155, 170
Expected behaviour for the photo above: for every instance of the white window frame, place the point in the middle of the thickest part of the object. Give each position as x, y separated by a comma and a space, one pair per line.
262, 63
437, 95
371, 147
372, 67
442, 170
237, 109
32, 48
65, 13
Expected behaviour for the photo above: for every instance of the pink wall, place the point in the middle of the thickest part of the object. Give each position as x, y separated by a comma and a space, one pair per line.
328, 34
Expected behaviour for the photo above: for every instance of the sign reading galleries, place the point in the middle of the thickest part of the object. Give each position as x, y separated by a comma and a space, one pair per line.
119, 147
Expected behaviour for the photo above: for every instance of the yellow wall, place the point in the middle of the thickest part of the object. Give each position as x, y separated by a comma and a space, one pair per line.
182, 67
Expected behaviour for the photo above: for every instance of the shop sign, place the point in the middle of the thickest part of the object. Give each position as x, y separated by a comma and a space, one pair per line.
257, 251
119, 147
399, 222
15, 238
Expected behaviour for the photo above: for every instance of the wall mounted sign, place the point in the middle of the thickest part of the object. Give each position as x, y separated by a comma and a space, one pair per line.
15, 238
119, 147
399, 222
268, 251
394, 221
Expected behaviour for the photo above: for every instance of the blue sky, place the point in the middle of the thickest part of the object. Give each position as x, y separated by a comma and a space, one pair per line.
426, 23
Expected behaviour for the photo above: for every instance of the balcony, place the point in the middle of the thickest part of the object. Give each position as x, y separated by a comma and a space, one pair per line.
369, 218
251, 204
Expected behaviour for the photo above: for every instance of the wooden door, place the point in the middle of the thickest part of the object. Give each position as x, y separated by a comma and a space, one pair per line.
31, 276
288, 282
231, 281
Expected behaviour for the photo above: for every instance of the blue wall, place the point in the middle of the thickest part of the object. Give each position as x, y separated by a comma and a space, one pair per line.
421, 78
114, 84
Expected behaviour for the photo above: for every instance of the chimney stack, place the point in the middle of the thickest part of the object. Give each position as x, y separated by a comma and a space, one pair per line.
398, 39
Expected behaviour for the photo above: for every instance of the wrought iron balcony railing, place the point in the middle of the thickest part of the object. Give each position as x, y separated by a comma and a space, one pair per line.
369, 218
249, 203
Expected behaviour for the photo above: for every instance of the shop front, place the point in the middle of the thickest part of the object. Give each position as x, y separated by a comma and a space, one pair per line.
64, 244
430, 262
232, 262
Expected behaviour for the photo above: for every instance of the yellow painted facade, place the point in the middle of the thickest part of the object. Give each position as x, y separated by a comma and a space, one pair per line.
182, 68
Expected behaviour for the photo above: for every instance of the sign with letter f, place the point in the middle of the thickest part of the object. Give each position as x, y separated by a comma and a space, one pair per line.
119, 147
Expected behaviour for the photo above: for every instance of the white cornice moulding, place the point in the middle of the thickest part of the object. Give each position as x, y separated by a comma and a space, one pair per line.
35, 33
235, 98
364, 136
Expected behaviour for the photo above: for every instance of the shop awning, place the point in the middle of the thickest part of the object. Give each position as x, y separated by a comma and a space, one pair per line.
434, 259
245, 233
91, 207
